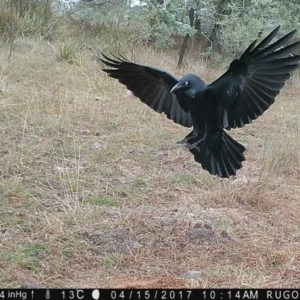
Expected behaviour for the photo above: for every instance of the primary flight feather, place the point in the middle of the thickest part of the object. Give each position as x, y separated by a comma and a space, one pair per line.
240, 95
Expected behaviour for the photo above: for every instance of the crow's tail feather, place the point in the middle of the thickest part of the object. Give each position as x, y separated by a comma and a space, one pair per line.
219, 154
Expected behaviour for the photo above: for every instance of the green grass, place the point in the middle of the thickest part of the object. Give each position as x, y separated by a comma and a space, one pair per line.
102, 201
29, 256
110, 261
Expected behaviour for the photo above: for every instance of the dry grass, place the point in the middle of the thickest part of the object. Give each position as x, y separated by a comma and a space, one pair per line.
97, 193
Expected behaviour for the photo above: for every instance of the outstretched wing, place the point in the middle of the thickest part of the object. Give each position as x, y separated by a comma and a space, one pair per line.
252, 82
152, 86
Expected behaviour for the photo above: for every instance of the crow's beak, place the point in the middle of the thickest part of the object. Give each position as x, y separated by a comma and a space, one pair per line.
177, 87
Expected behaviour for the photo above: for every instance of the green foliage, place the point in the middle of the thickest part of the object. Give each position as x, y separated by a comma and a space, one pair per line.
243, 24
228, 26
158, 23
100, 12
25, 18
235, 24
151, 23
68, 51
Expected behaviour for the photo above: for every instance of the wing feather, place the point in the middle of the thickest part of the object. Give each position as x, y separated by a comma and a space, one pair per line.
152, 86
251, 83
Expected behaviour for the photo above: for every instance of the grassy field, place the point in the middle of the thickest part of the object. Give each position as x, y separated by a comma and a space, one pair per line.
95, 192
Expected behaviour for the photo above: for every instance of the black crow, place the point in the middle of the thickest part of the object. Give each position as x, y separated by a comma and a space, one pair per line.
239, 96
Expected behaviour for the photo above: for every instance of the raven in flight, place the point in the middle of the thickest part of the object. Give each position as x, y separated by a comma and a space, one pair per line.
239, 96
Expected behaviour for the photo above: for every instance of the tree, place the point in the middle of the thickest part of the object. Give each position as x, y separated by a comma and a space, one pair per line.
226, 25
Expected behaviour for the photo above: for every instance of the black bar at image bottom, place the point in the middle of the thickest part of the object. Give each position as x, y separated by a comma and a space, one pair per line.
149, 294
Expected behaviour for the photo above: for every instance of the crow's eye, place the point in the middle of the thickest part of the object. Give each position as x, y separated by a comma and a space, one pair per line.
187, 83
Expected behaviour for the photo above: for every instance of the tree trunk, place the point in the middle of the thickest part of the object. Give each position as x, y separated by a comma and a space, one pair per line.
182, 50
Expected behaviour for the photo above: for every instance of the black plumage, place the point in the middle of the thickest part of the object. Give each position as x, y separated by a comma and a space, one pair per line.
235, 99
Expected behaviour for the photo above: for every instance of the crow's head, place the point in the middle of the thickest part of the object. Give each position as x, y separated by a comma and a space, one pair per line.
189, 85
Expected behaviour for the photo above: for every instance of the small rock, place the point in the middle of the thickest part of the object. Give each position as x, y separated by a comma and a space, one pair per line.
191, 275
129, 94
224, 237
240, 181
98, 99
200, 231
30, 283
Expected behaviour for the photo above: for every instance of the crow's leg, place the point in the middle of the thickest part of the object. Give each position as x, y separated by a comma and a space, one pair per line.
193, 134
196, 144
